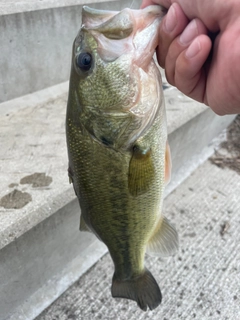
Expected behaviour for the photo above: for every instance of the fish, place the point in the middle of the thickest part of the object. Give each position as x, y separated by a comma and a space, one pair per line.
116, 131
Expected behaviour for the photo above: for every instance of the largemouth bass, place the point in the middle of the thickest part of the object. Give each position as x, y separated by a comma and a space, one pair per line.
119, 159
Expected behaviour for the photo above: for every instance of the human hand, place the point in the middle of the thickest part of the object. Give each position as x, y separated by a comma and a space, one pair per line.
211, 77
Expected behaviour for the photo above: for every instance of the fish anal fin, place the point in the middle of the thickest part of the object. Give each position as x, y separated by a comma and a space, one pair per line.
143, 289
141, 171
168, 164
83, 225
164, 241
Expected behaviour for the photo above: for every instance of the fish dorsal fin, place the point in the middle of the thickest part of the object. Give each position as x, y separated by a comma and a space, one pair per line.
141, 171
83, 225
164, 241
168, 164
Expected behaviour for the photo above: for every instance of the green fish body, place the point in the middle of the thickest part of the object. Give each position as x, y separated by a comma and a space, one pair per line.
117, 138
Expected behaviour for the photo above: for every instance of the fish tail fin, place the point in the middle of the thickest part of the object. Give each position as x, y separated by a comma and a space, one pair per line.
143, 289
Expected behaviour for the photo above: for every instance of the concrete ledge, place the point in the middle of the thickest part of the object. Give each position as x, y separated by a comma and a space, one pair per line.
18, 6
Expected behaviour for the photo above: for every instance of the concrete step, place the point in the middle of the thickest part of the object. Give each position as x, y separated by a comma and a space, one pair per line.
41, 250
19, 6
202, 280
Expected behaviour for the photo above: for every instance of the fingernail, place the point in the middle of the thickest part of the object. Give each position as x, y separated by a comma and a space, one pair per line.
189, 33
193, 49
171, 19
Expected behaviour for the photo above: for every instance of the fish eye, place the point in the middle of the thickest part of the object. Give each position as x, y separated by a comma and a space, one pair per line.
84, 61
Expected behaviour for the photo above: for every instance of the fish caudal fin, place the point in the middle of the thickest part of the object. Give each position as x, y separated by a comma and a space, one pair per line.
143, 289
164, 241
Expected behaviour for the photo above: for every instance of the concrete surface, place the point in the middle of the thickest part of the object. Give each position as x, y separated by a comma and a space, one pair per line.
200, 282
17, 6
36, 45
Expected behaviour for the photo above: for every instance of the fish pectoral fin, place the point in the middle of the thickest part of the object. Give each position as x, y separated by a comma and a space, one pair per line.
168, 164
141, 171
83, 225
164, 241
143, 289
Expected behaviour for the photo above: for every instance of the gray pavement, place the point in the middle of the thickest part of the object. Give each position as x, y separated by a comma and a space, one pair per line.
202, 281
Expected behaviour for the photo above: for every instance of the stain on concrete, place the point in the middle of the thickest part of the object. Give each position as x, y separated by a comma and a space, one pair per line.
228, 156
190, 235
15, 200
38, 179
13, 185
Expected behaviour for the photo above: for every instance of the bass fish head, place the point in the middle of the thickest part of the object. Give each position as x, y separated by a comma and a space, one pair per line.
115, 87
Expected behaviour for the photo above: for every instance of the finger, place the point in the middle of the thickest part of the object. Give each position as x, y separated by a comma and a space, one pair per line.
190, 74
172, 25
193, 29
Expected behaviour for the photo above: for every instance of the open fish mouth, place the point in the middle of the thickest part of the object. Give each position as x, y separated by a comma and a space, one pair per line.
128, 31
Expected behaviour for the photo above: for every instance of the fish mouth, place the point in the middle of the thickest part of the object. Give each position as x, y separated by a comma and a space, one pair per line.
128, 31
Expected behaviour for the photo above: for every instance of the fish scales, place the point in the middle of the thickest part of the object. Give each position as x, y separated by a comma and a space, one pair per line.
117, 152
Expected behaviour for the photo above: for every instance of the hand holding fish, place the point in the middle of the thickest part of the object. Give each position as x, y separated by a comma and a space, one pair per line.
205, 70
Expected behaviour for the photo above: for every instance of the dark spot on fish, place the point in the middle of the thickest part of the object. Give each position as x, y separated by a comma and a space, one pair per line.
179, 283
190, 189
106, 142
15, 200
182, 211
37, 180
218, 311
194, 266
234, 297
12, 185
